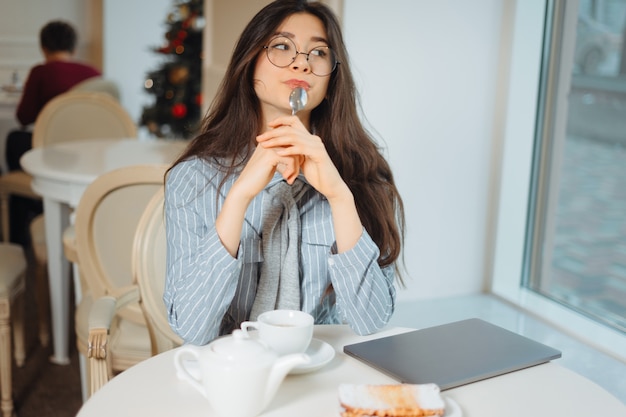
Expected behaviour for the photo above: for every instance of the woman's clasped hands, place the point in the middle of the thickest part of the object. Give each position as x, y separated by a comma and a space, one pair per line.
297, 150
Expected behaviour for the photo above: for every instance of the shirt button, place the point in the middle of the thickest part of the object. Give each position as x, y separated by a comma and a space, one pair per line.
331, 262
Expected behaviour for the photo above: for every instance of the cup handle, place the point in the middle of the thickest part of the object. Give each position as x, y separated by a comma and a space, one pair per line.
247, 324
181, 370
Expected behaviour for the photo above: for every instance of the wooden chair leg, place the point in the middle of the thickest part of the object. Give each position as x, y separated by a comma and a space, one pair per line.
6, 399
12, 284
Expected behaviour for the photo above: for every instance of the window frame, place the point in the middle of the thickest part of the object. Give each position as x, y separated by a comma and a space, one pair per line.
518, 182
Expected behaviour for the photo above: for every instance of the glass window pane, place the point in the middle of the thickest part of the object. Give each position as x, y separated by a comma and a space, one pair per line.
583, 262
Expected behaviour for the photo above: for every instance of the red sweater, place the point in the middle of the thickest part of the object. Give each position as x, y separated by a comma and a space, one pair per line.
48, 81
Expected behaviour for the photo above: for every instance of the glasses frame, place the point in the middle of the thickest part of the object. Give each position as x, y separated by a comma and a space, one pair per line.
295, 56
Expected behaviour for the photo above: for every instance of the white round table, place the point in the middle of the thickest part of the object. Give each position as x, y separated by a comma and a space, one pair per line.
152, 388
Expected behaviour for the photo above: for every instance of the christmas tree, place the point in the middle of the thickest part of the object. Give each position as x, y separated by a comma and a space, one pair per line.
176, 85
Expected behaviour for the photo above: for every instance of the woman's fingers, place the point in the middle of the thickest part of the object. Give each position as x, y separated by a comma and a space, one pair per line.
291, 142
305, 153
281, 136
283, 127
289, 168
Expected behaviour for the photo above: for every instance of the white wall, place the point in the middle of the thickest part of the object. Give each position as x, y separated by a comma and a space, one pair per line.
131, 29
20, 22
427, 73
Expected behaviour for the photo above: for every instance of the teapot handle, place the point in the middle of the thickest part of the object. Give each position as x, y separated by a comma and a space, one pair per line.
182, 362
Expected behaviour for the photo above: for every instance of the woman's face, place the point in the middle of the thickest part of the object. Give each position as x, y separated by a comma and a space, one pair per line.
273, 84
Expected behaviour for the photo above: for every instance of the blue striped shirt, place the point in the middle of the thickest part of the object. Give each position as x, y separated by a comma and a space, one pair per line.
209, 293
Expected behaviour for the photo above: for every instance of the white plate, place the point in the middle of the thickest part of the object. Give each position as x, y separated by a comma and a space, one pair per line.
452, 408
320, 352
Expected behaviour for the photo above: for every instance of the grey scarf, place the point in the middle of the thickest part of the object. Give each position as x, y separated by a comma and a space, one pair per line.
279, 285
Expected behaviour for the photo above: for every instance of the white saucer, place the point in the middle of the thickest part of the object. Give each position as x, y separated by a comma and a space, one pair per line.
320, 353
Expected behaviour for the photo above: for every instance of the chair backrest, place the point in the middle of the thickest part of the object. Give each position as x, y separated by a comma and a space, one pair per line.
98, 84
106, 219
148, 263
82, 115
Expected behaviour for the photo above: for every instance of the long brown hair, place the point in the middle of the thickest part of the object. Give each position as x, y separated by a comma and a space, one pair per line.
230, 127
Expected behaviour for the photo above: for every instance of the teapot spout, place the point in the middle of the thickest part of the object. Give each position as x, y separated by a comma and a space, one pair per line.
280, 369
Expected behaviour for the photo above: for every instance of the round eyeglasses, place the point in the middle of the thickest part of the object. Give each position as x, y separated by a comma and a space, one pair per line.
282, 52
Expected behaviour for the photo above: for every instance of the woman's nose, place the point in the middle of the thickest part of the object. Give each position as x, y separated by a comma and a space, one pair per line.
301, 62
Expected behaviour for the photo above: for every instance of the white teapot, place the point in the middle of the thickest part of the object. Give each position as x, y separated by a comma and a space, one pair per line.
239, 375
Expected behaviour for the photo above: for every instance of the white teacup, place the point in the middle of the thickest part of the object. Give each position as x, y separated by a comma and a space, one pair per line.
284, 331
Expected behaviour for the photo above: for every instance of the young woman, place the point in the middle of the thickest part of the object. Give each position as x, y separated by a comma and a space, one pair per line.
269, 210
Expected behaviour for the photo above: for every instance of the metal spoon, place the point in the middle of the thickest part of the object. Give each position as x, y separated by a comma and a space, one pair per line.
297, 99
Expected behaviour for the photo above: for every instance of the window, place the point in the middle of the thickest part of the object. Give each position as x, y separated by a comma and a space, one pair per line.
576, 244
560, 248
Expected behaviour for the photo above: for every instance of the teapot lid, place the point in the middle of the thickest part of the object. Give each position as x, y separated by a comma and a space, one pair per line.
240, 347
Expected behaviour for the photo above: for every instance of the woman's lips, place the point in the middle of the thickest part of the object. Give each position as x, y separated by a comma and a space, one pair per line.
298, 83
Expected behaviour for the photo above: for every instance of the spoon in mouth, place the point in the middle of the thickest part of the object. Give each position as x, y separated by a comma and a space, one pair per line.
297, 99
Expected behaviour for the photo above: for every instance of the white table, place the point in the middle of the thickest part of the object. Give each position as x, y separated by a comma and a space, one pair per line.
61, 173
152, 388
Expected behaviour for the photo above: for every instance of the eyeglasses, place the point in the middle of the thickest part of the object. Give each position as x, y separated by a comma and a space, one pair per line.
282, 52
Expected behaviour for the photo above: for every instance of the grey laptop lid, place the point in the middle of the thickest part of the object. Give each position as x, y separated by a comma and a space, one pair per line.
452, 354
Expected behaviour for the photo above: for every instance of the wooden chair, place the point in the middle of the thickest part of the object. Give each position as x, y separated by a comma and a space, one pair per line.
149, 270
148, 265
111, 330
12, 285
81, 115
98, 84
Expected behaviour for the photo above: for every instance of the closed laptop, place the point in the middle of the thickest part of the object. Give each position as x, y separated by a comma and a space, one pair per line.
452, 354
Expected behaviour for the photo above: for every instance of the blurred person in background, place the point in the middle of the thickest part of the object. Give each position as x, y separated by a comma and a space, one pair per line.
57, 74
